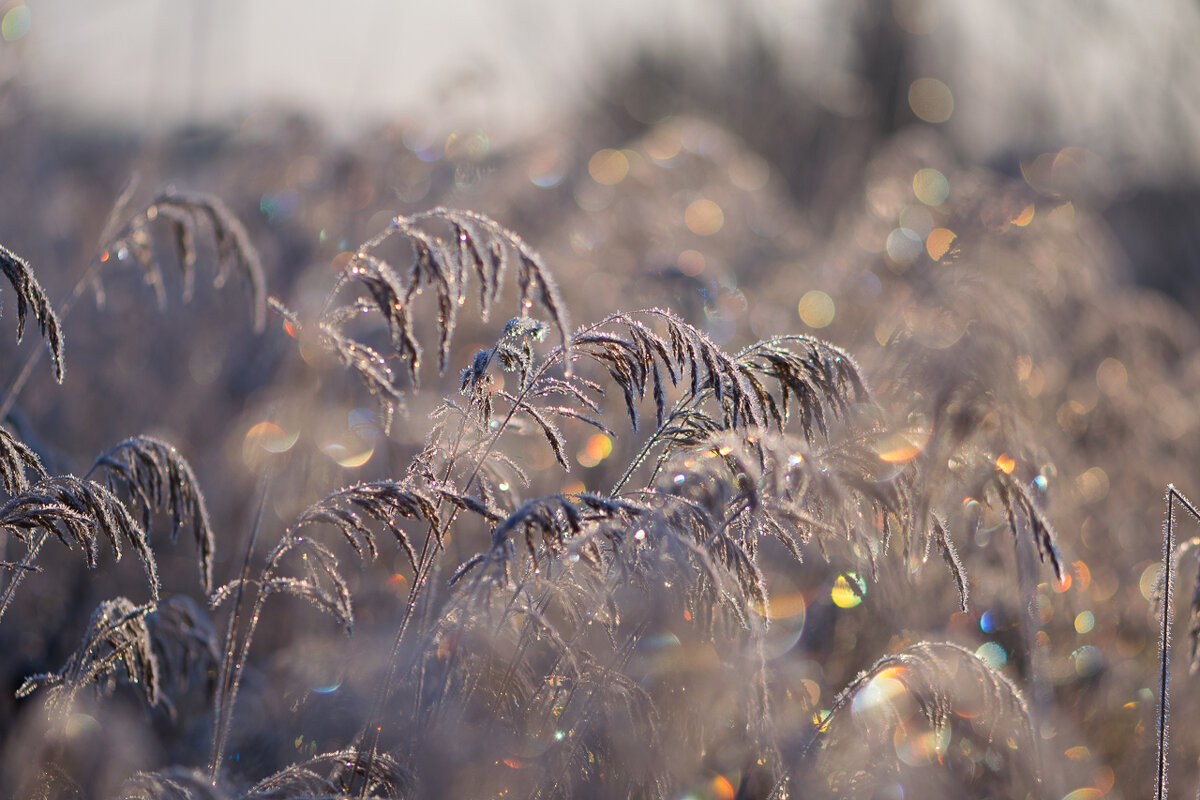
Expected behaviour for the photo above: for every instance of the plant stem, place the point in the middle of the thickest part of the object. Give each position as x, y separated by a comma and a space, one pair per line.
231, 672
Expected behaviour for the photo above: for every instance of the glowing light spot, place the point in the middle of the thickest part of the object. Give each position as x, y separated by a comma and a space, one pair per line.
918, 745
663, 143
901, 446
987, 622
783, 606
15, 23
269, 437
1039, 483
1084, 793
938, 242
289, 328
1005, 463
931, 100
1025, 217
574, 487
680, 478
691, 263
1084, 622
1092, 485
328, 688
78, 725
816, 309
704, 217
608, 167
513, 763
1063, 585
640, 535
472, 145
719, 788
597, 448
992, 654
105, 256
547, 169
931, 187
843, 595
903, 246
1078, 753
1112, 377
1088, 661
346, 457
882, 691
1083, 575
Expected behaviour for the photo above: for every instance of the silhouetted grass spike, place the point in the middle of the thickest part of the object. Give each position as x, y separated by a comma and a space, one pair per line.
934, 674
185, 645
117, 637
512, 352
15, 458
483, 247
31, 297
385, 502
174, 783
338, 774
366, 361
185, 213
77, 511
158, 478
1015, 499
818, 378
950, 555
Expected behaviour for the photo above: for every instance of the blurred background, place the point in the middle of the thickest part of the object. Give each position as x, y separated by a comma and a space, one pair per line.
1004, 82
1114, 78
1016, 184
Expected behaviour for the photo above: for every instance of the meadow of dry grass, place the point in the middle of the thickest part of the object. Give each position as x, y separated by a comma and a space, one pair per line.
645, 457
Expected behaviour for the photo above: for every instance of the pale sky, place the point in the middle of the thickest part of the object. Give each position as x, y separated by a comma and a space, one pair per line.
1120, 78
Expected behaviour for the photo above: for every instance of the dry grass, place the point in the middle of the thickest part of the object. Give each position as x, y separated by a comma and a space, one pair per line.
664, 553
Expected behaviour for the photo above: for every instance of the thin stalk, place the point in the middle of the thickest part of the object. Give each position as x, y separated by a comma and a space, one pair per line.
1172, 497
21, 570
231, 672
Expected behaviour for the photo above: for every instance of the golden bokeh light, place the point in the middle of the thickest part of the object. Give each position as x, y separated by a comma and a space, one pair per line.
938, 243
691, 263
608, 167
931, 100
931, 187
900, 446
270, 437
597, 448
843, 594
1112, 377
348, 457
703, 217
817, 309
664, 142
